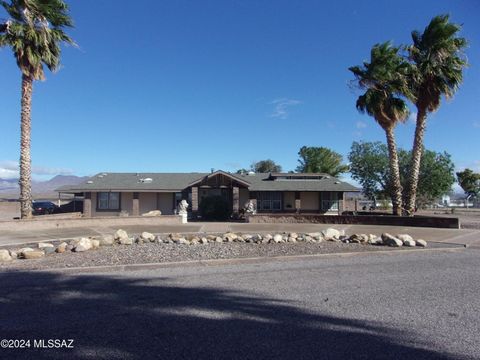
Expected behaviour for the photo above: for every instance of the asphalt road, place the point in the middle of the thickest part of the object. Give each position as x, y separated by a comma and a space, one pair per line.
421, 305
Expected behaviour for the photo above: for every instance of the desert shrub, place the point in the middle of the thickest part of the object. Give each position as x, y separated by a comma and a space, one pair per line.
214, 208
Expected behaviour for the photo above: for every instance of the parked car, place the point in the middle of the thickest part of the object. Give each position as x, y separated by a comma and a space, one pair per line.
72, 206
44, 207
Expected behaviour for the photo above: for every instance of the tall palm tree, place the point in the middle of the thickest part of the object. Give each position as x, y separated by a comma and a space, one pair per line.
438, 63
34, 33
385, 80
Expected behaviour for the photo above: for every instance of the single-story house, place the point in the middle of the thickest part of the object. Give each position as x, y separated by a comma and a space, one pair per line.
109, 194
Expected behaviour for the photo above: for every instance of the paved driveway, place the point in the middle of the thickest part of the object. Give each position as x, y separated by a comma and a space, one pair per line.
421, 305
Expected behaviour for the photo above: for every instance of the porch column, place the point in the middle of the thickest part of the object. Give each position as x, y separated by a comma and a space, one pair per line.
236, 201
298, 202
135, 204
341, 202
87, 205
194, 201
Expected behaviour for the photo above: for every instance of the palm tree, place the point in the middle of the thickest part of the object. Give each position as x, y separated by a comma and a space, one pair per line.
438, 63
384, 80
34, 33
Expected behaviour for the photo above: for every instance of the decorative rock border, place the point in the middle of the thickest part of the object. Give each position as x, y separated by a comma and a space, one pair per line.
121, 237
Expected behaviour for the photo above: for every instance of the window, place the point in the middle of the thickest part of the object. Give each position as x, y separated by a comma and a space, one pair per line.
269, 201
108, 201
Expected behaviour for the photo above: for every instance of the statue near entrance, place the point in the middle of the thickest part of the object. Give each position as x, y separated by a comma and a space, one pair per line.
182, 207
250, 208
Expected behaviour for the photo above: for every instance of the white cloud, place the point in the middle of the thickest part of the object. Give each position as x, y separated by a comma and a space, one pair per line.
412, 118
281, 107
361, 124
10, 170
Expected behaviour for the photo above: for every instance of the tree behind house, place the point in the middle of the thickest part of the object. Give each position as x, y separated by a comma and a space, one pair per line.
320, 160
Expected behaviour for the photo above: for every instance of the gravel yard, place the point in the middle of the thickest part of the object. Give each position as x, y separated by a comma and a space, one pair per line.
154, 252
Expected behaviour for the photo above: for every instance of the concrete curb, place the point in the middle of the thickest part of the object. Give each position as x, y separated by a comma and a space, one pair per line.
233, 261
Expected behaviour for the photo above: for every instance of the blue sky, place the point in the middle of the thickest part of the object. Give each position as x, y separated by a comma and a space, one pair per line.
178, 86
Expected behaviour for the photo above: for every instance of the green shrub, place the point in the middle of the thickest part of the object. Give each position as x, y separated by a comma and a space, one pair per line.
214, 208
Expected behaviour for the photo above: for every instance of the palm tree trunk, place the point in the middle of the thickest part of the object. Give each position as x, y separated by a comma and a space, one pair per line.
394, 172
25, 181
412, 183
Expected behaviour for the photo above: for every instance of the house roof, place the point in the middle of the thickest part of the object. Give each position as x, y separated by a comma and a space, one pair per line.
176, 182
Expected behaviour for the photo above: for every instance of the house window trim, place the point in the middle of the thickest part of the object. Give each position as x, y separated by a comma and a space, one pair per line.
108, 209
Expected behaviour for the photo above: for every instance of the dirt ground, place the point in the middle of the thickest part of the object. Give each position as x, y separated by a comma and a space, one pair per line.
9, 210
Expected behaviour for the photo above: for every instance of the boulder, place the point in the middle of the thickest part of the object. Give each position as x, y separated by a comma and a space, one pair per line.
404, 237
147, 236
48, 250
391, 240
13, 254
292, 239
230, 236
409, 243
43, 245
421, 243
183, 241
278, 238
204, 240
293, 235
106, 240
84, 244
308, 238
61, 248
359, 238
5, 256
330, 234
315, 235
375, 240
34, 254
175, 236
121, 237
23, 251
152, 213
95, 243
218, 239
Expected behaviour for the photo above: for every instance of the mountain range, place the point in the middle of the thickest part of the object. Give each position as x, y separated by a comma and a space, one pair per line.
11, 187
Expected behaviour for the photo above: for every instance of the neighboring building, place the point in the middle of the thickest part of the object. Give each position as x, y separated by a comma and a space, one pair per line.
108, 194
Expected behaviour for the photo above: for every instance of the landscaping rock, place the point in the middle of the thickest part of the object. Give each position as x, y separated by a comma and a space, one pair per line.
421, 243
391, 240
183, 241
34, 254
121, 237
42, 245
277, 238
83, 244
375, 240
13, 254
49, 250
147, 236
330, 234
409, 243
404, 237
23, 251
95, 243
359, 238
218, 239
292, 239
204, 240
293, 235
175, 236
106, 240
61, 248
152, 213
230, 237
5, 256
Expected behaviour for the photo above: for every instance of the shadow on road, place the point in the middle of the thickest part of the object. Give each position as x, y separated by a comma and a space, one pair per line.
137, 318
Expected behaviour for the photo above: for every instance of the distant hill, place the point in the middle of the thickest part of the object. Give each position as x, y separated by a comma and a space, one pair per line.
11, 187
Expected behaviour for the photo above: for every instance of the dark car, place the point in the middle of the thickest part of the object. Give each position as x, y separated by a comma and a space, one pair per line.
43, 207
72, 206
